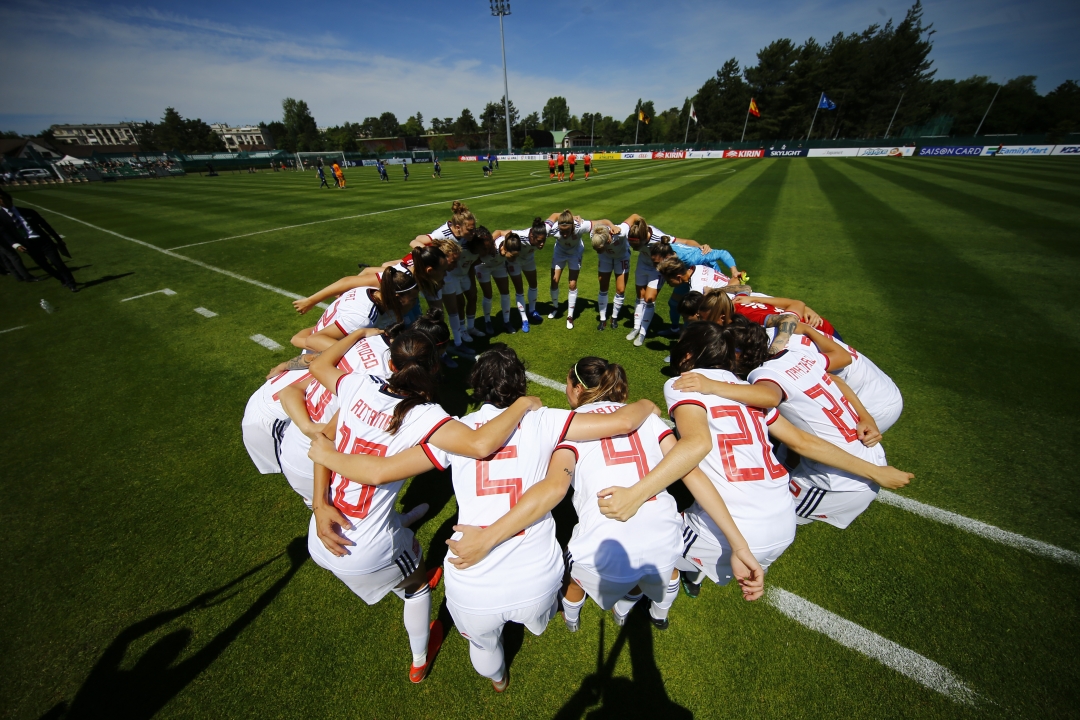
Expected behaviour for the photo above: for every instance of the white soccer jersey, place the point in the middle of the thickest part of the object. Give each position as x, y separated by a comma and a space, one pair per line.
741, 464
269, 394
813, 403
528, 567
367, 407
443, 231
355, 309
573, 243
875, 389
618, 248
644, 259
705, 278
621, 551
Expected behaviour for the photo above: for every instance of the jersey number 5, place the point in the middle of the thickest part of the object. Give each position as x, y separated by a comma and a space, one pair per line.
360, 508
486, 486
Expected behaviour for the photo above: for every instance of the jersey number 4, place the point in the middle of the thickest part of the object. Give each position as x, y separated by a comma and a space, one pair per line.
486, 486
727, 443
635, 455
360, 508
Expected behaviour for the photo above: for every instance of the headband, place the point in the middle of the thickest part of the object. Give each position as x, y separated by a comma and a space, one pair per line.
580, 381
404, 290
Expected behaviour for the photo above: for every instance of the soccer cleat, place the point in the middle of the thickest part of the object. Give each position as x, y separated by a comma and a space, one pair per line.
620, 620
602, 325
435, 640
524, 326
667, 359
569, 322
552, 315
434, 576
461, 351
535, 317
614, 323
500, 685
670, 332
639, 340
691, 589
489, 325
476, 333
448, 362
633, 334
572, 626
413, 515
659, 624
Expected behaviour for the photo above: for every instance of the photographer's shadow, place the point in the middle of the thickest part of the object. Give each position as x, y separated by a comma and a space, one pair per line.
110, 691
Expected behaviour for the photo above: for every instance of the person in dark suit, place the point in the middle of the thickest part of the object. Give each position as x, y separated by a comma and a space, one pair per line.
10, 261
35, 237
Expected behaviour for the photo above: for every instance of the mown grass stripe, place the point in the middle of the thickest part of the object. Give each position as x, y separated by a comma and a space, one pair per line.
909, 663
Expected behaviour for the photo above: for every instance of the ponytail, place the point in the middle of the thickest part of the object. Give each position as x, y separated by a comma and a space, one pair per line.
416, 364
395, 287
701, 346
427, 258
716, 306
640, 230
511, 243
431, 324
662, 249
600, 380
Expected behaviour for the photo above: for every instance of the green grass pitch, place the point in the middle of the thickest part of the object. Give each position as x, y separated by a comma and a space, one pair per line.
146, 565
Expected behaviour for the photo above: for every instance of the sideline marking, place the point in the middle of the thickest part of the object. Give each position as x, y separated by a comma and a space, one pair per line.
205, 313
170, 253
381, 212
922, 670
977, 527
20, 327
163, 291
266, 342
541, 380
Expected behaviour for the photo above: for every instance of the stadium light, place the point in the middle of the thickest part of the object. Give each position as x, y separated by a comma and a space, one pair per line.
499, 8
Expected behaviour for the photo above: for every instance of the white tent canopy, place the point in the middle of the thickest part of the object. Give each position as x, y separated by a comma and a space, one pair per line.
69, 160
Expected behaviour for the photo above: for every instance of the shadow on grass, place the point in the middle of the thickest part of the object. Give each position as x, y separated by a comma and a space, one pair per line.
602, 696
103, 279
143, 689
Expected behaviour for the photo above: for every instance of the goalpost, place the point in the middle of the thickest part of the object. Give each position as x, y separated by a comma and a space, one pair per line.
423, 156
310, 160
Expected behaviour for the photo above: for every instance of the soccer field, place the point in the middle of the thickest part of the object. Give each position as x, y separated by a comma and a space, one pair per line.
148, 567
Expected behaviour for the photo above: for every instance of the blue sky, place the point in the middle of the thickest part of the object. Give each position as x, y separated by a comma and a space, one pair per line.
234, 62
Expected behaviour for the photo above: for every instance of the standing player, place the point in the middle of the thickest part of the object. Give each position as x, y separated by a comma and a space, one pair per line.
568, 253
405, 167
551, 167
561, 162
493, 265
360, 308
437, 168
613, 251
727, 440
533, 239
573, 164
458, 281
641, 236
588, 164
339, 175
354, 531
265, 420
322, 177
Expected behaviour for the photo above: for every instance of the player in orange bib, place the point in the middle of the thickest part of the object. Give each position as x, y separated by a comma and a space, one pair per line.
551, 167
588, 164
562, 165
339, 175
573, 164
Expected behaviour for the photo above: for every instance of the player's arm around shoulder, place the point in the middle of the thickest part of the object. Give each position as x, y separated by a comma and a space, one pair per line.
814, 448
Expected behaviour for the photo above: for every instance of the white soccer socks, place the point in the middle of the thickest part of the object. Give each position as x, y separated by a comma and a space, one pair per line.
417, 616
601, 302
554, 301
532, 299
639, 311
504, 305
486, 303
571, 300
623, 606
659, 610
572, 610
519, 298
619, 299
455, 328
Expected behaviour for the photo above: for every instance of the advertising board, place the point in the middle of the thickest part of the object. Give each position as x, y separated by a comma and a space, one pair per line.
1073, 150
669, 155
607, 156
887, 152
1016, 150
744, 153
514, 158
950, 150
784, 151
467, 158
637, 156
833, 152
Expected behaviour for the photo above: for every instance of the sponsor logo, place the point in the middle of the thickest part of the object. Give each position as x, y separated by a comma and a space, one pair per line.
886, 152
833, 152
607, 156
970, 150
1018, 150
467, 158
670, 155
744, 153
784, 152
422, 159
637, 156
1067, 150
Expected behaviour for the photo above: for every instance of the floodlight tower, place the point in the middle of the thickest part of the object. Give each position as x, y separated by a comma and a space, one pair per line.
499, 8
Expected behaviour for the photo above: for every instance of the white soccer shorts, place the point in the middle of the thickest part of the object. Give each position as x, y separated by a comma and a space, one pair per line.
563, 258
702, 554
262, 437
484, 273
838, 509
646, 275
606, 264
485, 631
374, 586
519, 264
605, 593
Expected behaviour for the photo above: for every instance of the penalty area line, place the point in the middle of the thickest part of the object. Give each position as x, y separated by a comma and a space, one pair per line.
909, 663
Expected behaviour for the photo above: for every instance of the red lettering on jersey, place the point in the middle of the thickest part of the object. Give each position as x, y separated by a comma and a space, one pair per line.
370, 416
793, 486
801, 368
316, 408
362, 506
776, 470
833, 411
486, 486
728, 441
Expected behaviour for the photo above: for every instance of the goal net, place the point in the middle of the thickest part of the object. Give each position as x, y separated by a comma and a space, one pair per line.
423, 156
310, 160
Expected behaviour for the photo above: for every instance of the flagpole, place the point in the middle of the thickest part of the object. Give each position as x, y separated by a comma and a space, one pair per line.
987, 110
744, 124
894, 114
815, 117
686, 136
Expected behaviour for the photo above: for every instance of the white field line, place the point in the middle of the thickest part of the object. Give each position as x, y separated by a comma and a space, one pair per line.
163, 291
977, 527
382, 212
20, 327
266, 342
541, 380
922, 670
205, 313
170, 253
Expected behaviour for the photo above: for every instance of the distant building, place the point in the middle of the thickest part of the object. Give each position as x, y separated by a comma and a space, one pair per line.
243, 138
28, 149
101, 134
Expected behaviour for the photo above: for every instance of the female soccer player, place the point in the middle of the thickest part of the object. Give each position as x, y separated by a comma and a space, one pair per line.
702, 255
572, 159
518, 576
265, 420
339, 175
437, 169
561, 162
362, 307
494, 266
798, 382
551, 167
641, 235
614, 563
533, 239
588, 164
568, 253
613, 250
461, 223
727, 439
354, 532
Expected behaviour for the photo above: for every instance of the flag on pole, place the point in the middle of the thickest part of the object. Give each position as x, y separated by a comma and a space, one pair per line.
643, 117
753, 108
693, 115
825, 103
